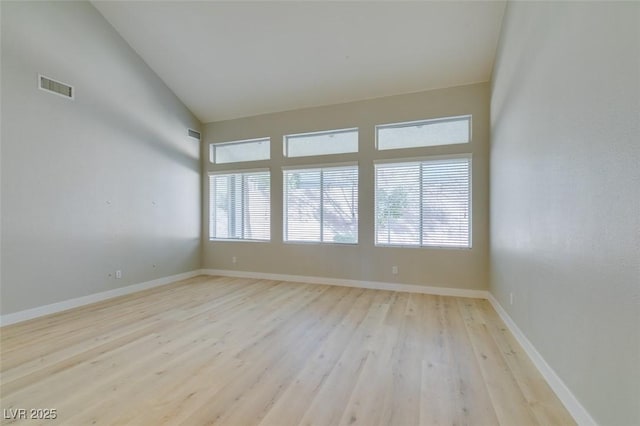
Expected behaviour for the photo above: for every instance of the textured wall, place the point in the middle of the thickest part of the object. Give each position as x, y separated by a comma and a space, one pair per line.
108, 181
458, 268
565, 194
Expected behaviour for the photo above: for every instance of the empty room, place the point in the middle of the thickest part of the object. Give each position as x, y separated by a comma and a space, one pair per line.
320, 212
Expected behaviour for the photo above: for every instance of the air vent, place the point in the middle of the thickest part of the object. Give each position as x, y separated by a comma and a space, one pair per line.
52, 86
194, 134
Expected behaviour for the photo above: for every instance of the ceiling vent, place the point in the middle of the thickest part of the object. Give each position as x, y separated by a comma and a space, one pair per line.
194, 134
56, 87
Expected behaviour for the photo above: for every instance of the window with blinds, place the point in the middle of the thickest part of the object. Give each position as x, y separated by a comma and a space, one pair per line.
424, 203
239, 206
321, 204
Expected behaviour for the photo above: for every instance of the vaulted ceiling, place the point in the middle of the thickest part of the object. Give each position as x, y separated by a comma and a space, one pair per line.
236, 59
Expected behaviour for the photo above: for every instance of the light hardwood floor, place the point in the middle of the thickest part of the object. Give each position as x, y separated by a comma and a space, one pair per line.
214, 350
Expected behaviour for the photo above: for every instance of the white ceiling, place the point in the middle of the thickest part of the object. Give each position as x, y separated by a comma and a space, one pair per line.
236, 59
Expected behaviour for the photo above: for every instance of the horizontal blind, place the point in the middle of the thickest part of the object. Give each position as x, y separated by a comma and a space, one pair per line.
340, 204
239, 206
302, 210
398, 203
321, 204
424, 203
445, 203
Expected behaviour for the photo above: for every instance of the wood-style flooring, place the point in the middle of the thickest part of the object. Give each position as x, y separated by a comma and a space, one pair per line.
230, 351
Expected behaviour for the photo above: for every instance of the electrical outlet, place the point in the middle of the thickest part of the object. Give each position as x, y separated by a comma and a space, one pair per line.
511, 298
394, 270
234, 259
118, 274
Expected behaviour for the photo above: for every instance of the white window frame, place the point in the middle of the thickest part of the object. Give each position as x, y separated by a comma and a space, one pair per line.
285, 141
424, 122
468, 156
284, 202
212, 214
213, 146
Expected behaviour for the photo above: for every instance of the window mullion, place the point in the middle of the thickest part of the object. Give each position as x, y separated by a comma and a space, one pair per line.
243, 194
420, 184
213, 207
285, 211
321, 206
230, 206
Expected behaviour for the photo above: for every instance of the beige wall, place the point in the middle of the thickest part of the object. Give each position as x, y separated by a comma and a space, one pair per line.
565, 194
458, 268
107, 181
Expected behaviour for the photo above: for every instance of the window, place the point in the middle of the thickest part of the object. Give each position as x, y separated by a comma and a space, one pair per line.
442, 131
321, 143
235, 152
424, 203
321, 204
239, 206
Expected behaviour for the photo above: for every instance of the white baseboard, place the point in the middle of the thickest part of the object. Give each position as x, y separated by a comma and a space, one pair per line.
374, 285
92, 298
579, 413
571, 403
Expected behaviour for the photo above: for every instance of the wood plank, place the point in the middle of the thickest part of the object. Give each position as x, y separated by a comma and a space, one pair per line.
310, 379
338, 386
236, 351
508, 401
535, 389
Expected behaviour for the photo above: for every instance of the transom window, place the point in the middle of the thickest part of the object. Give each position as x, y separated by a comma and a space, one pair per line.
321, 204
321, 143
441, 131
239, 151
